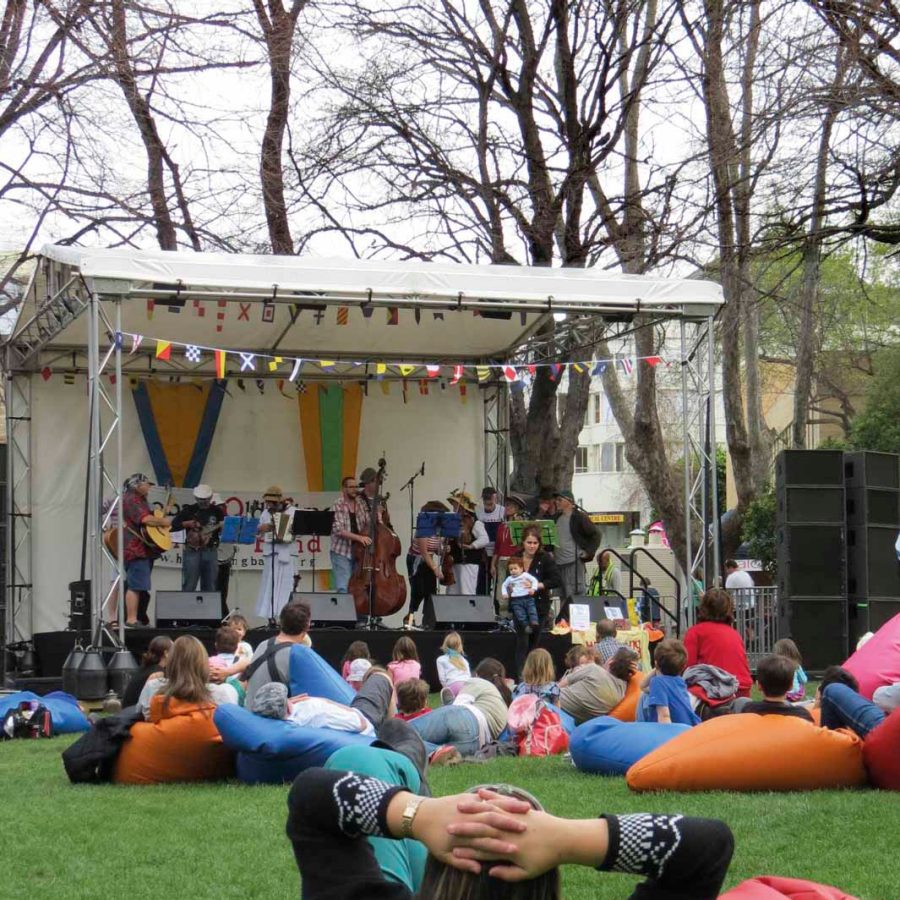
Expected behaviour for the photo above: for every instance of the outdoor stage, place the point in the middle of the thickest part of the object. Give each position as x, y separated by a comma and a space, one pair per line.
52, 647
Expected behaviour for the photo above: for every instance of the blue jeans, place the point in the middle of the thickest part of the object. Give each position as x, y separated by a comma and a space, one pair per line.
341, 570
842, 707
449, 725
524, 610
199, 566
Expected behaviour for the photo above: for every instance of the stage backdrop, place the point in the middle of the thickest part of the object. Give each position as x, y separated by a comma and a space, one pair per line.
259, 440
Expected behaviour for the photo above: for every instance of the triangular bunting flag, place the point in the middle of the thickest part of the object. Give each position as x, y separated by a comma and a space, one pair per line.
433, 371
599, 369
380, 369
483, 372
654, 361
510, 374
326, 363
192, 353
69, 378
46, 373
247, 363
275, 363
136, 341
220, 364
406, 370
296, 370
555, 369
163, 350
393, 317
457, 375
578, 367
627, 364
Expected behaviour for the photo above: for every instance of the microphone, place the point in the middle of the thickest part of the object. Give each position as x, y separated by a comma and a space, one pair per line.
422, 470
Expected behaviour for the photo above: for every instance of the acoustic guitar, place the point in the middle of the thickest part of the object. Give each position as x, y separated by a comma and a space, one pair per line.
159, 536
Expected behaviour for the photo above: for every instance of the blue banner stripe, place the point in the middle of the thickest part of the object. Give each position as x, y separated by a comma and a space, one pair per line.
151, 435
205, 434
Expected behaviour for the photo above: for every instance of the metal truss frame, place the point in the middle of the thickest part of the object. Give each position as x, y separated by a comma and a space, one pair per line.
496, 437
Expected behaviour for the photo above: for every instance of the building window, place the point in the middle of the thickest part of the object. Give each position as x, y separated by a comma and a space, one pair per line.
620, 457
581, 460
612, 457
597, 402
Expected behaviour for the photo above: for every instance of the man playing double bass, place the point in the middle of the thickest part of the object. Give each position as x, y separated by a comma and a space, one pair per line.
344, 534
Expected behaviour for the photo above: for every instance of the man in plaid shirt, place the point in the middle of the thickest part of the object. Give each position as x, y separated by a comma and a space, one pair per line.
343, 535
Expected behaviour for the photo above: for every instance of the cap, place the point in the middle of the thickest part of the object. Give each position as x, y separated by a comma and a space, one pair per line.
519, 499
358, 669
565, 495
368, 475
273, 492
271, 700
138, 478
203, 492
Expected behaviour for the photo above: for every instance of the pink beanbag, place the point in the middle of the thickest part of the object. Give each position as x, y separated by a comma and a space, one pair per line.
877, 662
771, 887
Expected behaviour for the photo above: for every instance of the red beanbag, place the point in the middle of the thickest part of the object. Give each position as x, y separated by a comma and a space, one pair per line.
180, 743
626, 709
749, 752
771, 887
881, 753
877, 662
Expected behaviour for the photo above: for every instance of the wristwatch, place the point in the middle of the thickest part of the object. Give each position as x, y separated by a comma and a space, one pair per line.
409, 815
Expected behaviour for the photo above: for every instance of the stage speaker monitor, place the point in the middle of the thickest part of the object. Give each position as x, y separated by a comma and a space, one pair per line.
329, 610
809, 467
866, 468
188, 609
810, 560
459, 611
80, 605
819, 626
872, 567
873, 506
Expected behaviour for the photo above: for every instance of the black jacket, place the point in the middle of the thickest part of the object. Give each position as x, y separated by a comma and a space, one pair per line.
585, 533
93, 756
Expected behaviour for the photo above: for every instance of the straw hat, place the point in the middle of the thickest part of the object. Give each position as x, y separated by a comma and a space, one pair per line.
273, 493
463, 499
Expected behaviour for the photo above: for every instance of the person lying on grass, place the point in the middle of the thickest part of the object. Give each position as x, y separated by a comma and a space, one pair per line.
492, 842
272, 702
664, 694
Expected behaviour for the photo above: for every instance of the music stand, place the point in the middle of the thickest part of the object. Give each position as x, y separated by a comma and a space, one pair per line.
313, 523
549, 536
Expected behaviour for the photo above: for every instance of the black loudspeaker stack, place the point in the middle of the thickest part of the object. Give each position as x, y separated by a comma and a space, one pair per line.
458, 611
811, 554
837, 519
873, 520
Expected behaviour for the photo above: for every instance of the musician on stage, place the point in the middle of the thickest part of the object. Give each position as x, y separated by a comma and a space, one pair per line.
140, 552
277, 581
344, 533
202, 523
468, 549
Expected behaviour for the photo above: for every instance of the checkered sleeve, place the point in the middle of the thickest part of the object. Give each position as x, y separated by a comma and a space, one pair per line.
340, 545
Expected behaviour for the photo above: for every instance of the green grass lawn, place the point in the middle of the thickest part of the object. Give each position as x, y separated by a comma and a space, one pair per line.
227, 840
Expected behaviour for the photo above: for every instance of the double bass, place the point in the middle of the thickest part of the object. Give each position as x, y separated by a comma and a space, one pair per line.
377, 587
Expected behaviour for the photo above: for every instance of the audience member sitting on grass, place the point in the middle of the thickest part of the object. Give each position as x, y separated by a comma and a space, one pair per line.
272, 702
786, 647
404, 660
243, 654
452, 667
153, 662
412, 699
474, 719
226, 643
356, 650
607, 645
490, 843
714, 640
775, 675
186, 678
834, 675
665, 696
293, 623
538, 677
589, 690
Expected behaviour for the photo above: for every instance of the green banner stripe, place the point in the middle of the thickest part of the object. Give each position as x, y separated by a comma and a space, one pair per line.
331, 429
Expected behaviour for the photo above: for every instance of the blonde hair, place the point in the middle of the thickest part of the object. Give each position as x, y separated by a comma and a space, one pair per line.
187, 672
538, 667
454, 642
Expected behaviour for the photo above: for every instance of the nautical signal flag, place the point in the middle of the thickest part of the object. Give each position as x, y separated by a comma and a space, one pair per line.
220, 364
483, 372
510, 374
653, 361
433, 371
406, 370
393, 317
555, 369
457, 375
163, 350
380, 368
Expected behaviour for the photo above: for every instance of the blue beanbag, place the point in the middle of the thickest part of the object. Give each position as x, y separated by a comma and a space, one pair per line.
65, 713
270, 751
607, 746
310, 674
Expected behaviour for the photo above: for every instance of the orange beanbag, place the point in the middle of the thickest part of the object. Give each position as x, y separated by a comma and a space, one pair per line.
749, 752
881, 753
771, 887
178, 744
626, 709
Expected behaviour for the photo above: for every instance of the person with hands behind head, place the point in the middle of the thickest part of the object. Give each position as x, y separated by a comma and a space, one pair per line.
492, 842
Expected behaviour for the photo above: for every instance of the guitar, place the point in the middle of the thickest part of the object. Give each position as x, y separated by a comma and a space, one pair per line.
159, 536
198, 538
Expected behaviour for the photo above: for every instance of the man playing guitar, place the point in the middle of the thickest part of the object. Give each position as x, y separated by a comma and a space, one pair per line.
140, 553
202, 522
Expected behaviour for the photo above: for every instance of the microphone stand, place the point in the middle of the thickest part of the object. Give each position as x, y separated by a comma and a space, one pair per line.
411, 484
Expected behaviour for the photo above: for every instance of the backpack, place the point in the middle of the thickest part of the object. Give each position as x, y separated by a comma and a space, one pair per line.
92, 758
546, 736
29, 719
523, 712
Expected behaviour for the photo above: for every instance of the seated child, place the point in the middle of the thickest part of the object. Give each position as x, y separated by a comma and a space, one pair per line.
405, 662
607, 645
240, 625
834, 675
519, 589
357, 671
226, 643
412, 699
786, 647
357, 650
452, 667
665, 696
775, 675
272, 701
538, 677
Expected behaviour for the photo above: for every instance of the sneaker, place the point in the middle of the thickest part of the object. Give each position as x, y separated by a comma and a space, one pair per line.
447, 755
447, 697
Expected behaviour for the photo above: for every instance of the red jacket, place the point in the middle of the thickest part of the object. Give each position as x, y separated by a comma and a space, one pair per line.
718, 644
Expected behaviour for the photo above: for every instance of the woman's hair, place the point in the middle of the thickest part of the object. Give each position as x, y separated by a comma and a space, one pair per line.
716, 605
838, 675
492, 670
156, 650
187, 672
786, 647
454, 642
538, 667
357, 650
533, 531
405, 648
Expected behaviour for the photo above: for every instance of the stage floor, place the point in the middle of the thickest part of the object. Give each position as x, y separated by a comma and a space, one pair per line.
52, 647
